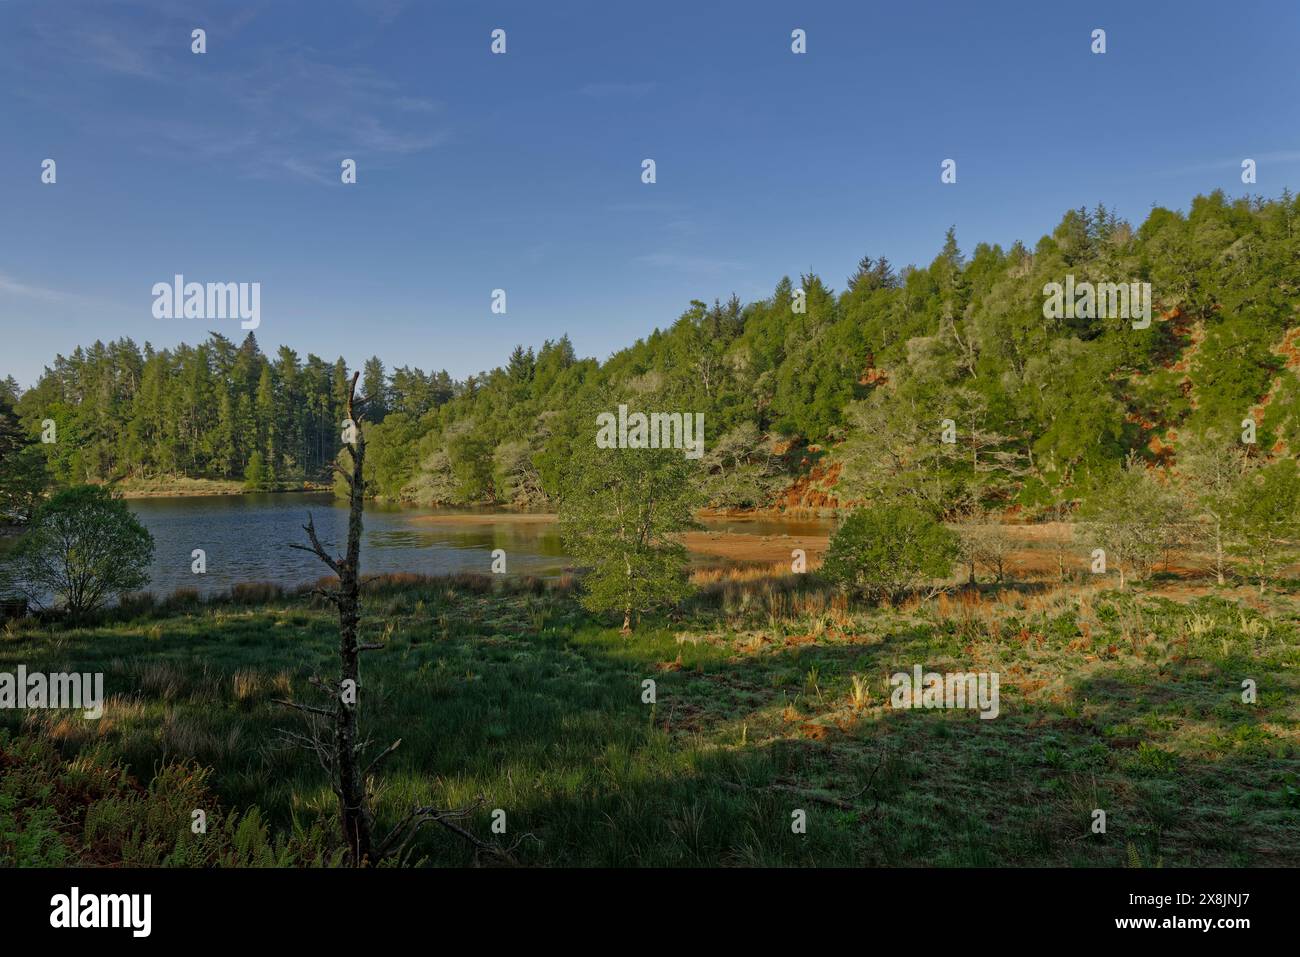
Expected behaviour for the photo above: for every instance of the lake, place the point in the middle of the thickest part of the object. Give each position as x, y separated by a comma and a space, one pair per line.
247, 538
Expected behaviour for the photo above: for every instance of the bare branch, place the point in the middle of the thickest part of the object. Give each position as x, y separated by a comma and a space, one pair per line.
332, 596
316, 548
448, 820
401, 836
309, 709
383, 754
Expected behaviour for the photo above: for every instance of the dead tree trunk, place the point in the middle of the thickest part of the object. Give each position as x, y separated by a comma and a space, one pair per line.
341, 756
351, 784
353, 810
335, 738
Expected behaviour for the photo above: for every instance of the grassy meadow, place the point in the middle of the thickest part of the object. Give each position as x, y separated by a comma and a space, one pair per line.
772, 695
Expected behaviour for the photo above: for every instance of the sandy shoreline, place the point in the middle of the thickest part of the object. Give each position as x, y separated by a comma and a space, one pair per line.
541, 518
730, 545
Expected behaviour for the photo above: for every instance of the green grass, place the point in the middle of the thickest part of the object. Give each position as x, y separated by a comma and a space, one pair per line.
174, 485
771, 697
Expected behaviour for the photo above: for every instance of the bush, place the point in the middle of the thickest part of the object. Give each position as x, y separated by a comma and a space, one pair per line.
983, 542
84, 545
885, 551
1133, 518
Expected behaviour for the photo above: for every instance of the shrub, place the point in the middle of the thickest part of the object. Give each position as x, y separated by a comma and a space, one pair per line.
255, 593
983, 541
1133, 518
83, 546
885, 551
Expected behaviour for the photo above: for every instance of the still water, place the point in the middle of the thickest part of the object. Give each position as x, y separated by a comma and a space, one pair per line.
247, 538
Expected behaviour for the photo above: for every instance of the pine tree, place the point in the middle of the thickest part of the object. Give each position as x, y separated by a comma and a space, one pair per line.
375, 385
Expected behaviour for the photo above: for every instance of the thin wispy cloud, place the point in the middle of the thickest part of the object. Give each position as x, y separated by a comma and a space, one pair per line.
646, 206
384, 11
278, 111
13, 287
413, 104
1277, 157
687, 263
616, 89
297, 115
114, 53
141, 39
317, 111
305, 171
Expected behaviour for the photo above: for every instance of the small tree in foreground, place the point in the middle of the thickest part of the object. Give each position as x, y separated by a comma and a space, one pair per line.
83, 547
885, 551
620, 512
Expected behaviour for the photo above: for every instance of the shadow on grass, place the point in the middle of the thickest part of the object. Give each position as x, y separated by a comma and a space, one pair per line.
513, 696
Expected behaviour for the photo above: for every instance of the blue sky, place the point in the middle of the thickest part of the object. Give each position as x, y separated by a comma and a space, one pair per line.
522, 171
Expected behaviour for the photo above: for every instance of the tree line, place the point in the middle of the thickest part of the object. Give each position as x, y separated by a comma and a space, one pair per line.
1039, 409
212, 410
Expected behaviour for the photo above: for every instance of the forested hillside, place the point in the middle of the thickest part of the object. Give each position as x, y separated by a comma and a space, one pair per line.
852, 389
